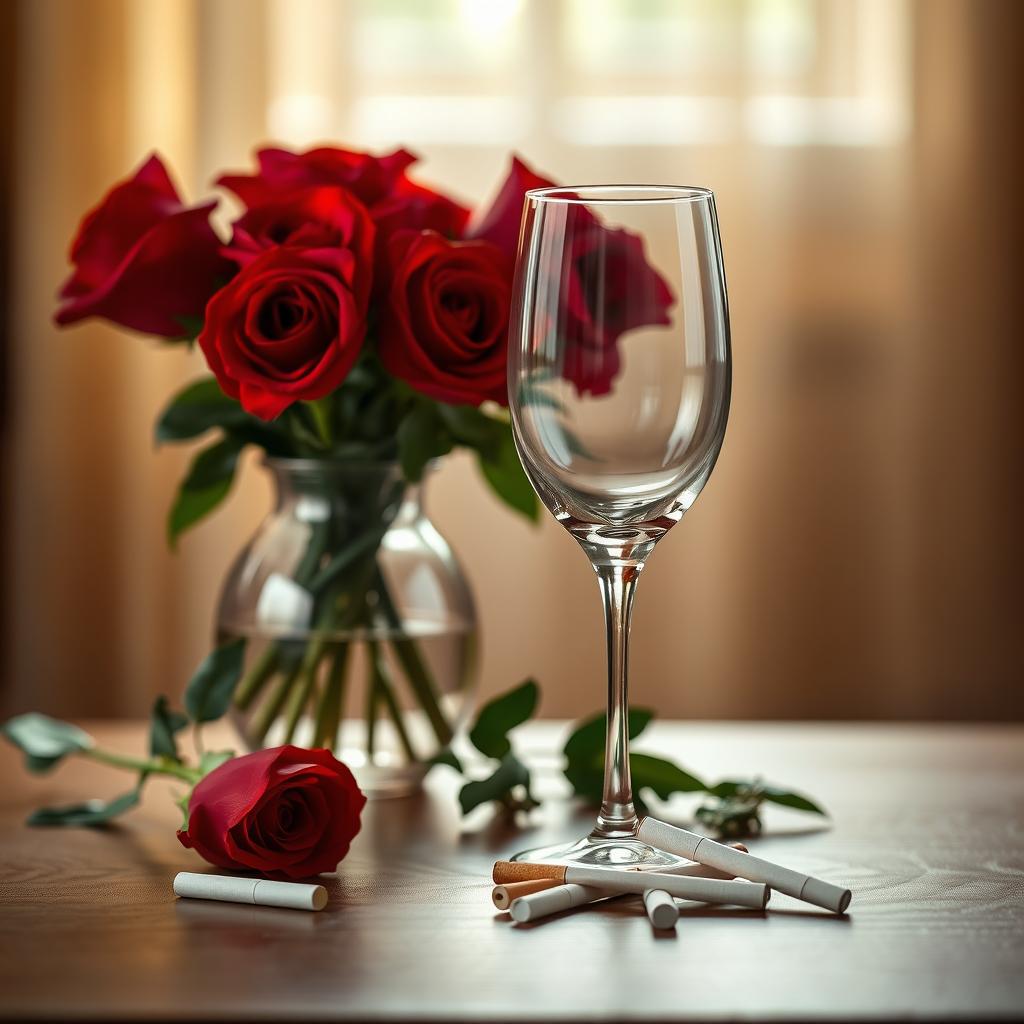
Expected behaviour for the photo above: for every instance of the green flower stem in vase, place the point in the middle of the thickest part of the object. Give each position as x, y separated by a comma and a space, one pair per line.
270, 710
385, 691
252, 683
328, 710
415, 667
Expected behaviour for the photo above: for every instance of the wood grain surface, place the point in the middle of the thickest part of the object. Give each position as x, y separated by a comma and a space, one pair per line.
928, 831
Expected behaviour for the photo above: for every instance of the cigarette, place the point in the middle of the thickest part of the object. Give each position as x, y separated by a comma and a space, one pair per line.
661, 909
553, 900
746, 865
694, 870
258, 891
614, 880
503, 895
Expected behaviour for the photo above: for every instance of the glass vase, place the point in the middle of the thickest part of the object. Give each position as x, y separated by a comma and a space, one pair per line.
359, 625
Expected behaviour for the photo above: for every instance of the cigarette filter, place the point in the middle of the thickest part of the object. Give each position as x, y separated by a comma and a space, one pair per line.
551, 901
746, 865
615, 880
661, 908
503, 895
258, 891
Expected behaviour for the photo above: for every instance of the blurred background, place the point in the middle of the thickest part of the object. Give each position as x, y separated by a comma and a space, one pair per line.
857, 551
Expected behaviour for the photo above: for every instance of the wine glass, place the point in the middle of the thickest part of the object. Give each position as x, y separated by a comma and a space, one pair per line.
619, 381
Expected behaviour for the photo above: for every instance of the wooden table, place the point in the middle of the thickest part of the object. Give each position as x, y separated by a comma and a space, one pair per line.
929, 833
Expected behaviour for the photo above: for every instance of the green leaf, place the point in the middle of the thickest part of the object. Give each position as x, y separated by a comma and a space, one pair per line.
502, 714
491, 438
200, 407
732, 788
727, 789
584, 752
731, 818
504, 472
205, 486
191, 327
587, 740
163, 725
794, 800
473, 428
208, 694
92, 813
447, 756
213, 759
586, 779
422, 436
661, 776
648, 772
509, 776
44, 741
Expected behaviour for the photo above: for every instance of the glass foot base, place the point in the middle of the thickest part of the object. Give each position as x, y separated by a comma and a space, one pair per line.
625, 852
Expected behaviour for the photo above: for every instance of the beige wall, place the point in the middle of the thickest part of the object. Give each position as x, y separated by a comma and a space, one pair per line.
855, 554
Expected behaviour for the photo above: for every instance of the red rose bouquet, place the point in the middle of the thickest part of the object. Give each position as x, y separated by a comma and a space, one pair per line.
342, 278
352, 316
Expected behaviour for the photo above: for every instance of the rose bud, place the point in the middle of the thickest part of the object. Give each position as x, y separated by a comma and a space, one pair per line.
444, 328
284, 812
143, 259
289, 327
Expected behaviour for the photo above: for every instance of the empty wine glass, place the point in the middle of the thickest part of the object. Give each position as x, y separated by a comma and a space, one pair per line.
619, 380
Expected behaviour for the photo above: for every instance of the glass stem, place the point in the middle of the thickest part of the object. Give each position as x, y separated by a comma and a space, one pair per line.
617, 817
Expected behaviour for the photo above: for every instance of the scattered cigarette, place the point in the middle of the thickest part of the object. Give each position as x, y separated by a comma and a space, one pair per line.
258, 891
694, 870
553, 900
746, 865
661, 908
614, 880
503, 895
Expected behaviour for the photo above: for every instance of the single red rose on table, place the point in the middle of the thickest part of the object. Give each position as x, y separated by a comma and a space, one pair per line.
284, 812
143, 259
444, 325
289, 327
599, 261
379, 183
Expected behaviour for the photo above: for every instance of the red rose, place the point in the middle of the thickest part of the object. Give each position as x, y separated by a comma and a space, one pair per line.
592, 371
500, 225
610, 263
379, 183
284, 812
444, 328
601, 261
320, 217
289, 327
142, 259
416, 207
